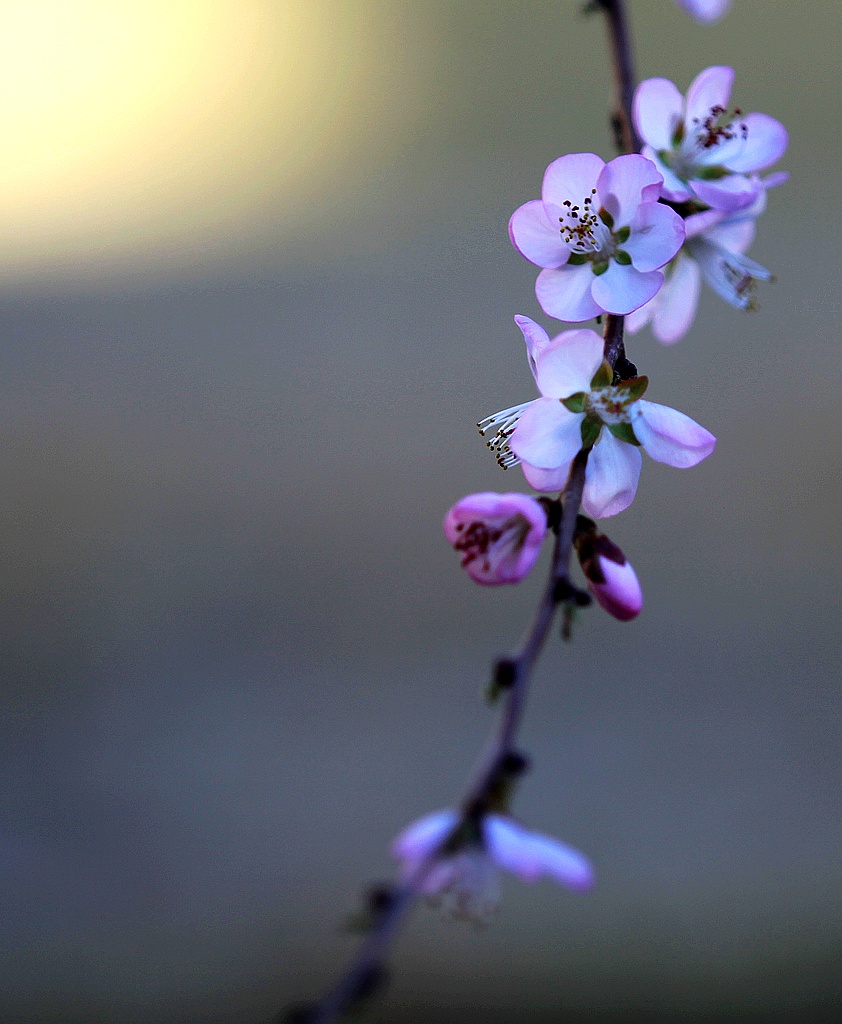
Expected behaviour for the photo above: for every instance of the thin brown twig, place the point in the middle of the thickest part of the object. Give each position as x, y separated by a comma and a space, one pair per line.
367, 969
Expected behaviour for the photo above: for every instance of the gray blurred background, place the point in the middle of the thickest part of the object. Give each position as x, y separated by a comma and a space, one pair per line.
256, 291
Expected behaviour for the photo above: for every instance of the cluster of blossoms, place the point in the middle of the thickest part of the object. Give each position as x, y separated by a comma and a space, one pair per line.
632, 238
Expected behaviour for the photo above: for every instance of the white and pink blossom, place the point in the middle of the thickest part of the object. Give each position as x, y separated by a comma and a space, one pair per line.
703, 151
499, 536
581, 407
600, 235
705, 10
466, 869
714, 250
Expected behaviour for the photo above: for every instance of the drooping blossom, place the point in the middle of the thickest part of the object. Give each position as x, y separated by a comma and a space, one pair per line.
600, 234
714, 250
499, 536
706, 10
581, 407
611, 579
703, 150
466, 873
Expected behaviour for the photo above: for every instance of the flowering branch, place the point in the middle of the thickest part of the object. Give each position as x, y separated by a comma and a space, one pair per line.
627, 238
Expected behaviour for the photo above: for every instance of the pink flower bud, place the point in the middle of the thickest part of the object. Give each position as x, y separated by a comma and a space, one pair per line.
620, 594
499, 536
611, 579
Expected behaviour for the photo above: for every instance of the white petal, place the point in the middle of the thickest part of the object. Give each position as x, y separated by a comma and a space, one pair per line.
658, 106
566, 293
547, 435
657, 233
623, 288
625, 183
766, 143
536, 339
531, 856
706, 10
611, 476
571, 178
734, 192
546, 480
640, 317
535, 237
669, 436
673, 187
422, 836
711, 88
677, 301
568, 363
735, 234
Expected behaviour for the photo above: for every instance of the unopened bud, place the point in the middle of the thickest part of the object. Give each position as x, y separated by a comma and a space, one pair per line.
611, 579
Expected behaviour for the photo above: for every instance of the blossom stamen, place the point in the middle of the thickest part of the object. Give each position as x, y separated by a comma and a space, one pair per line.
505, 423
713, 129
582, 228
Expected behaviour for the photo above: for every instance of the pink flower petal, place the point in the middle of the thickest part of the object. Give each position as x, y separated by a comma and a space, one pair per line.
565, 293
531, 856
706, 10
657, 233
625, 183
546, 480
711, 88
421, 837
677, 301
735, 234
568, 363
547, 435
669, 436
640, 317
657, 109
536, 339
611, 476
673, 188
734, 192
536, 238
766, 143
623, 288
571, 177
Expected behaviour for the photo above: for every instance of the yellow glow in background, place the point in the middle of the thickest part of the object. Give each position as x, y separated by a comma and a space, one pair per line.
143, 131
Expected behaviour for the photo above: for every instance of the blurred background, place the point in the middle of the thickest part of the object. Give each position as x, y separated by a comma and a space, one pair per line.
256, 290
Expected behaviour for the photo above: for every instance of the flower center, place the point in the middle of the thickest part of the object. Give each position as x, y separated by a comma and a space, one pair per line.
490, 541
610, 405
714, 128
584, 230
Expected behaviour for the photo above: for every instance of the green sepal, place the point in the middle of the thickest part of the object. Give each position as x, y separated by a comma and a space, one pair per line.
600, 268
624, 432
575, 403
623, 234
606, 218
591, 427
622, 257
678, 135
713, 173
666, 156
576, 259
603, 377
635, 386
